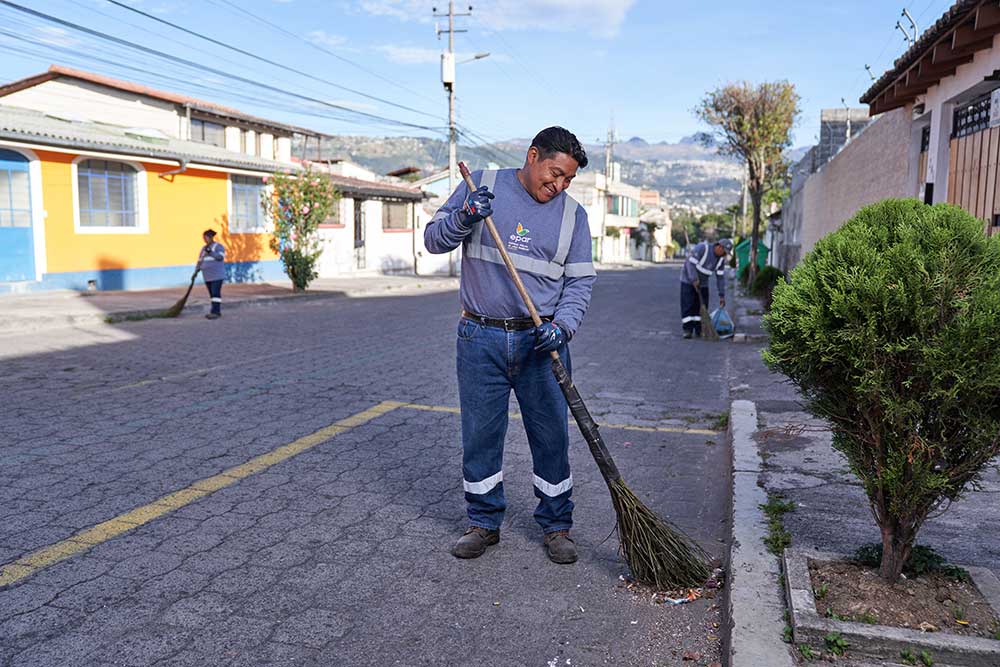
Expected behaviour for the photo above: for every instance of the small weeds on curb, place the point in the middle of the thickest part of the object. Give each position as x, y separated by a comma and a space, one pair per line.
821, 592
777, 538
786, 634
721, 422
835, 643
926, 660
807, 652
869, 618
831, 614
958, 613
907, 657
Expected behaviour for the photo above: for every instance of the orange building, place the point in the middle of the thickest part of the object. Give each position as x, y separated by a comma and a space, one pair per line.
109, 185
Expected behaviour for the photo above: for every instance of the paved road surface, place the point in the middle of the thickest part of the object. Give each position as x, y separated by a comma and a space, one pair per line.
281, 487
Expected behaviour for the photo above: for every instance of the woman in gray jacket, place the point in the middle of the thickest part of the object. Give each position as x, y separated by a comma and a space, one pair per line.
212, 262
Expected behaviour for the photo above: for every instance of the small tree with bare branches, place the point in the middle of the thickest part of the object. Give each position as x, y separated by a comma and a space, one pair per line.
753, 123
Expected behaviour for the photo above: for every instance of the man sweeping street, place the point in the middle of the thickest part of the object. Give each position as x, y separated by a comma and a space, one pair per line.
705, 260
499, 349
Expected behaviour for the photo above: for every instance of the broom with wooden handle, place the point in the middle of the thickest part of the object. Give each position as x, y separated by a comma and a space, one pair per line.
657, 553
176, 309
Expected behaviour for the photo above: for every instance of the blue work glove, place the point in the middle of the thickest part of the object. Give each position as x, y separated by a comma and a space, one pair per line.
477, 206
550, 336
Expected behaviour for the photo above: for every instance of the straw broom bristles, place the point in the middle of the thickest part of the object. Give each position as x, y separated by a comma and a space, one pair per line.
657, 554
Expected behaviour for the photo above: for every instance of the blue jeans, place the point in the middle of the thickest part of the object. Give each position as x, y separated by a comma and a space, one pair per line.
215, 293
492, 362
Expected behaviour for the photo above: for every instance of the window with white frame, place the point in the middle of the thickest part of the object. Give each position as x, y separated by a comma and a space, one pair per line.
106, 194
395, 215
247, 214
15, 193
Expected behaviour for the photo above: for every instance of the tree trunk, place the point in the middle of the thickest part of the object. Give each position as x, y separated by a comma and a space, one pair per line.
896, 546
755, 197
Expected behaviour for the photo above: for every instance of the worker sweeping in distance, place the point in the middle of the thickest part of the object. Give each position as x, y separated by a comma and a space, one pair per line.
499, 348
705, 260
212, 264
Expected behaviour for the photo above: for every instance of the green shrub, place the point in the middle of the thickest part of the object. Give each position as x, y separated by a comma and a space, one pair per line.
765, 281
923, 560
890, 328
296, 204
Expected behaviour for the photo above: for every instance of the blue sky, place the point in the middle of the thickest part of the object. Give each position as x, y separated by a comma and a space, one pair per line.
577, 63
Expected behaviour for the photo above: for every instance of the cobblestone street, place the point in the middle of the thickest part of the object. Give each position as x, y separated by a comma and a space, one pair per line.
282, 487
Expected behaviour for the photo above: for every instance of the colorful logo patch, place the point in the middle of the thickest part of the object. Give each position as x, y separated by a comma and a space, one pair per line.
521, 231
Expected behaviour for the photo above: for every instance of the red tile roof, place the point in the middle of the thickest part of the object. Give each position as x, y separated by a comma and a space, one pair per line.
57, 71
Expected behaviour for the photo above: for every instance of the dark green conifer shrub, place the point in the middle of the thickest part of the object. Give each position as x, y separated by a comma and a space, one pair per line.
890, 328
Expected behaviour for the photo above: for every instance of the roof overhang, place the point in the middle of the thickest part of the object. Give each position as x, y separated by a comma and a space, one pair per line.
967, 27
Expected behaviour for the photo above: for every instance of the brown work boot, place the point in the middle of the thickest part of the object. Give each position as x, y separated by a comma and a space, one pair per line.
560, 547
474, 542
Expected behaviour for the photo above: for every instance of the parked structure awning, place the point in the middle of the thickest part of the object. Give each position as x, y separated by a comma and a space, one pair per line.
968, 26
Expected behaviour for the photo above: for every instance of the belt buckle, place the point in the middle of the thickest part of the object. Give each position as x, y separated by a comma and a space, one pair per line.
508, 326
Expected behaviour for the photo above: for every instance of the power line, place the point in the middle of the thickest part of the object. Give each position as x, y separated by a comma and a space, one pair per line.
74, 55
321, 49
267, 60
189, 63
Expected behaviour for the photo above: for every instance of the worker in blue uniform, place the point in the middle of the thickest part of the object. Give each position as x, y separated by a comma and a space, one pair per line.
499, 349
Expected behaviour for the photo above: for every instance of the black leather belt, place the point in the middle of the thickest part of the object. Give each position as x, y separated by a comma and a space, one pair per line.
509, 324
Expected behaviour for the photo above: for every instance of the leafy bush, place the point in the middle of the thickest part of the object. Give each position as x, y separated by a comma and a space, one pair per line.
297, 204
763, 284
766, 280
890, 328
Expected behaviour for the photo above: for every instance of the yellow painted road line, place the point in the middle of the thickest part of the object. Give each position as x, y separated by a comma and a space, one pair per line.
102, 532
621, 427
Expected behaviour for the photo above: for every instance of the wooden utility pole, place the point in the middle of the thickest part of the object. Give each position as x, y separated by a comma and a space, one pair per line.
448, 79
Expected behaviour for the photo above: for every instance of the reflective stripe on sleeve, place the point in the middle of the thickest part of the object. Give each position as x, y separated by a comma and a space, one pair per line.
691, 318
580, 269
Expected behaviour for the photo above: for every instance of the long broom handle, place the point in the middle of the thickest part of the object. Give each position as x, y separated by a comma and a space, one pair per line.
576, 405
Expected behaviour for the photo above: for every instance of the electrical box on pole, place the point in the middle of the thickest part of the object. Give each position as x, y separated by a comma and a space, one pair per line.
448, 69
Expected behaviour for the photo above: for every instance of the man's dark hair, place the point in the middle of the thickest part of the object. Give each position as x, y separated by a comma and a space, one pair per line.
557, 139
210, 233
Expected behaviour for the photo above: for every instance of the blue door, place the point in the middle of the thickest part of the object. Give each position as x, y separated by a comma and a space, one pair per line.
17, 252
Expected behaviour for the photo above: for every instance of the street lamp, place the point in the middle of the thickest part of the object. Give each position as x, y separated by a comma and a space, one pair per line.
478, 56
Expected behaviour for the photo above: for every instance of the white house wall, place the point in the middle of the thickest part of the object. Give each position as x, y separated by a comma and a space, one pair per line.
73, 99
939, 101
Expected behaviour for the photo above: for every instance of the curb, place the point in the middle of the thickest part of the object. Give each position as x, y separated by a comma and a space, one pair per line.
756, 605
127, 315
883, 642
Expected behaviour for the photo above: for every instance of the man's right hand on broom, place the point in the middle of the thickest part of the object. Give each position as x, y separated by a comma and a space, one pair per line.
477, 207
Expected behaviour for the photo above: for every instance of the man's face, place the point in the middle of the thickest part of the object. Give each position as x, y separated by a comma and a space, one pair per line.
719, 250
545, 178
206, 238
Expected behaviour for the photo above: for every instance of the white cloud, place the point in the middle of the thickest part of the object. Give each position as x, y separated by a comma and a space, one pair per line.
54, 36
409, 55
601, 18
323, 38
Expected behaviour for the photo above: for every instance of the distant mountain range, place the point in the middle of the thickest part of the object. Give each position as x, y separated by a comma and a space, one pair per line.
690, 175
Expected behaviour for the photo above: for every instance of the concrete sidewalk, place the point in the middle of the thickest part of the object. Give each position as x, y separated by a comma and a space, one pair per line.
789, 453
38, 311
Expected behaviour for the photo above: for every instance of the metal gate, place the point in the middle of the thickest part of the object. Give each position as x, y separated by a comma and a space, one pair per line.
359, 234
17, 251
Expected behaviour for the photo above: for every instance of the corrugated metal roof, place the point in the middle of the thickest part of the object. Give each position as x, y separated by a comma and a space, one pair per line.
27, 125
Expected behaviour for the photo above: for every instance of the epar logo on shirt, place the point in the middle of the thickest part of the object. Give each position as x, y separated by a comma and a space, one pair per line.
519, 240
